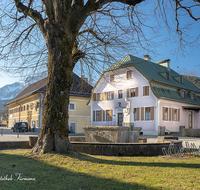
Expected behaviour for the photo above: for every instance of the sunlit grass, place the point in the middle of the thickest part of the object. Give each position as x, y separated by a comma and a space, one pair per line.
78, 171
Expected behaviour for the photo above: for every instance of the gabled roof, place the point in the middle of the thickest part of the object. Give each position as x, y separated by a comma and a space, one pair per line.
152, 72
79, 88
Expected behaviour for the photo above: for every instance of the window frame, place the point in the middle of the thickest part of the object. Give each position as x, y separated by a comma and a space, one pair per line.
167, 76
120, 94
183, 91
180, 79
108, 115
75, 126
148, 112
192, 96
110, 95
112, 78
74, 106
98, 96
37, 123
129, 74
135, 114
166, 114
134, 92
98, 115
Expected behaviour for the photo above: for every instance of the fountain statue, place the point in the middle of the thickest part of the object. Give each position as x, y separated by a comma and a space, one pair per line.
128, 118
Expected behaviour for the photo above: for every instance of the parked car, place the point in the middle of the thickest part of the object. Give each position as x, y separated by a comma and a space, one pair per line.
20, 126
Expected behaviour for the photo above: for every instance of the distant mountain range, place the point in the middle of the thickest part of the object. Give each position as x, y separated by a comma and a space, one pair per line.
9, 91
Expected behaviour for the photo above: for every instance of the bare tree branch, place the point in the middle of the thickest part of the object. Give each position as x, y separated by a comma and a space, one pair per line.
35, 15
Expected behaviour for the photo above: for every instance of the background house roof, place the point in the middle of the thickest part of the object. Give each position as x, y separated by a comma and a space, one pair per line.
79, 88
152, 71
163, 88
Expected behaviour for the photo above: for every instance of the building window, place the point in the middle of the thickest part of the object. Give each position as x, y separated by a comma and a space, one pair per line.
33, 123
37, 123
129, 74
181, 79
167, 75
112, 78
145, 90
175, 114
72, 127
166, 114
98, 96
147, 113
71, 106
110, 95
192, 96
120, 94
24, 108
27, 107
135, 114
182, 94
133, 92
108, 115
98, 115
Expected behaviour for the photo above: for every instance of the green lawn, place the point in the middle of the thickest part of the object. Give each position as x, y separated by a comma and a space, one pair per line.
78, 171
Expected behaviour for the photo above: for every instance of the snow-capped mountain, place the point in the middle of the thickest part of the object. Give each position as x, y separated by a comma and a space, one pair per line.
9, 91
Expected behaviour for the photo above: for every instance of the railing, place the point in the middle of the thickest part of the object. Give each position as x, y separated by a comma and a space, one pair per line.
173, 150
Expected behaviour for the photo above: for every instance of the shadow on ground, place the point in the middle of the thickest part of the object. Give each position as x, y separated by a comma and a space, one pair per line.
54, 177
87, 157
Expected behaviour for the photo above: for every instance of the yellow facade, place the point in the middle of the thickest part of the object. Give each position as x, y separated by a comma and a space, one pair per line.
26, 110
29, 110
81, 115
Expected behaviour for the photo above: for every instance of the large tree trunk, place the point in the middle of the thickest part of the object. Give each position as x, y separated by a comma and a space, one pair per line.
54, 131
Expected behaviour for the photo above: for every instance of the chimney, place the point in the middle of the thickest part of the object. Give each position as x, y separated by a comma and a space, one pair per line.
165, 63
147, 58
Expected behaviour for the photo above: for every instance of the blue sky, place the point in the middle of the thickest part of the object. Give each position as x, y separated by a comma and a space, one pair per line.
164, 49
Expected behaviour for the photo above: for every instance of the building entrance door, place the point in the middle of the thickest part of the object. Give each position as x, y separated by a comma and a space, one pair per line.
190, 119
120, 119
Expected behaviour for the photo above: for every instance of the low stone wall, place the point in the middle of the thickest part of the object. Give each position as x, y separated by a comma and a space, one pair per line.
77, 139
14, 145
110, 134
183, 132
122, 149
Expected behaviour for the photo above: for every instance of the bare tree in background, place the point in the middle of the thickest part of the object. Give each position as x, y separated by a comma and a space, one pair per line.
66, 31
3, 114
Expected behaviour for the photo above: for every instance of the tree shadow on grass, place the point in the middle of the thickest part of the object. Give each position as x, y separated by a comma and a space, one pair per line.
87, 157
50, 176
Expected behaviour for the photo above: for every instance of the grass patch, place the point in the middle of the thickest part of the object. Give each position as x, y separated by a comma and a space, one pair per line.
82, 171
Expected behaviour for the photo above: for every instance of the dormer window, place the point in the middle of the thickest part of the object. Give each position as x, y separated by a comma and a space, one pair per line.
167, 75
181, 79
112, 78
182, 94
192, 96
